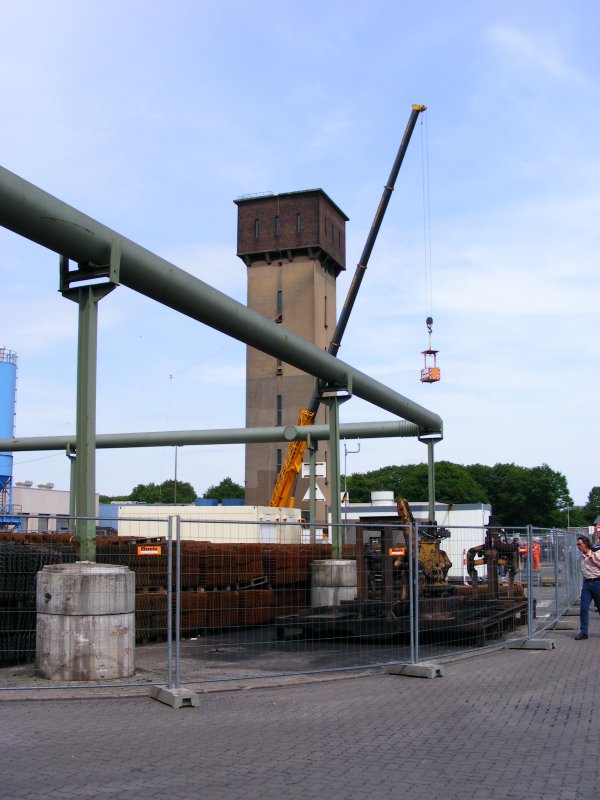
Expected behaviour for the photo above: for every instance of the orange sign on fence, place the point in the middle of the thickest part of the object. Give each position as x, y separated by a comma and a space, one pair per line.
149, 550
397, 551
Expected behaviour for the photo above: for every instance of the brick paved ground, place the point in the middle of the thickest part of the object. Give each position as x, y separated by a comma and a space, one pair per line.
506, 724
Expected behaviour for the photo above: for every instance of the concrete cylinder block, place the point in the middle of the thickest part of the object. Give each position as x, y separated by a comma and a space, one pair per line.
332, 582
85, 622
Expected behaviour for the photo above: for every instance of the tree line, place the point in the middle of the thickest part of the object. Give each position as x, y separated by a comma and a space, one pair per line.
170, 493
518, 495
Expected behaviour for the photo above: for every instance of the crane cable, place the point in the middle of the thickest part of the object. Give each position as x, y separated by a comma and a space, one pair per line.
426, 224
430, 373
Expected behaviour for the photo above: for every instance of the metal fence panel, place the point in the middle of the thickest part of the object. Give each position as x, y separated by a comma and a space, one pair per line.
228, 599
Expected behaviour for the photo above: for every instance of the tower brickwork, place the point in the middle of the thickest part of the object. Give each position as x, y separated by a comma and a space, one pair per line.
294, 248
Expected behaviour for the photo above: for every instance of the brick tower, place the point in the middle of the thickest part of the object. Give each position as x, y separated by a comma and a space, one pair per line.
294, 247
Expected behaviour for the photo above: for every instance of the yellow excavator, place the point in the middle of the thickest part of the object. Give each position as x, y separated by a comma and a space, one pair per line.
283, 492
434, 563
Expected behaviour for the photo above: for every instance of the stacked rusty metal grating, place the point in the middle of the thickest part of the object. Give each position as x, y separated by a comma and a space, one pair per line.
21, 558
223, 585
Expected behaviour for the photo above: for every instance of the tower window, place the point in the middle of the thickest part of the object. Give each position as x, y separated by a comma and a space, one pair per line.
279, 367
279, 410
277, 226
298, 223
256, 228
279, 460
279, 317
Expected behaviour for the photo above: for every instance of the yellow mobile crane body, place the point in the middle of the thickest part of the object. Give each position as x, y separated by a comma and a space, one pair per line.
284, 488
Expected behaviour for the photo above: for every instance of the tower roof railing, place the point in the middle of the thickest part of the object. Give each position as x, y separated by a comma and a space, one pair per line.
8, 356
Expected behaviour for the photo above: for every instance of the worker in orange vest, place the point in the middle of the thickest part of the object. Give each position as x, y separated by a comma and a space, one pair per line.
536, 555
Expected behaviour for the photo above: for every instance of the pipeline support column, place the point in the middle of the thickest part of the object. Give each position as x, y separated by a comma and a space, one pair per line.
87, 298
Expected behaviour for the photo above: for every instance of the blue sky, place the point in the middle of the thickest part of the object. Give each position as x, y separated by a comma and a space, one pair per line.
153, 117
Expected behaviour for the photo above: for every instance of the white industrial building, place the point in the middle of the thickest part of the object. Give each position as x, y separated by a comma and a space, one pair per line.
42, 508
220, 524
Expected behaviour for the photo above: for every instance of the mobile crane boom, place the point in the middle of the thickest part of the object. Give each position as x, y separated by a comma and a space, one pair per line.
283, 491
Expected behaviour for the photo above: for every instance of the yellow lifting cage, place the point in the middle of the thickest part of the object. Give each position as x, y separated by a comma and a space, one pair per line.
430, 373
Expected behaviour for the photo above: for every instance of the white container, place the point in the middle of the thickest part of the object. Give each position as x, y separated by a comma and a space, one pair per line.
85, 622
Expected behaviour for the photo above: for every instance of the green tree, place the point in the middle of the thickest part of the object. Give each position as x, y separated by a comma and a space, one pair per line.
358, 487
226, 490
453, 483
145, 493
575, 518
518, 495
550, 496
104, 498
182, 492
592, 507
166, 493
506, 489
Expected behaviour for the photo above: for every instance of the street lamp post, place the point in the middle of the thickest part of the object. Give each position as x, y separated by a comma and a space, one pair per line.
346, 451
175, 483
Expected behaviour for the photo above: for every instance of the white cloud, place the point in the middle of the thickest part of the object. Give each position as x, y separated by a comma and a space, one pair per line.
541, 52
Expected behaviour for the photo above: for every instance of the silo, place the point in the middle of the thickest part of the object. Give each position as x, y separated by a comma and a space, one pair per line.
8, 384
